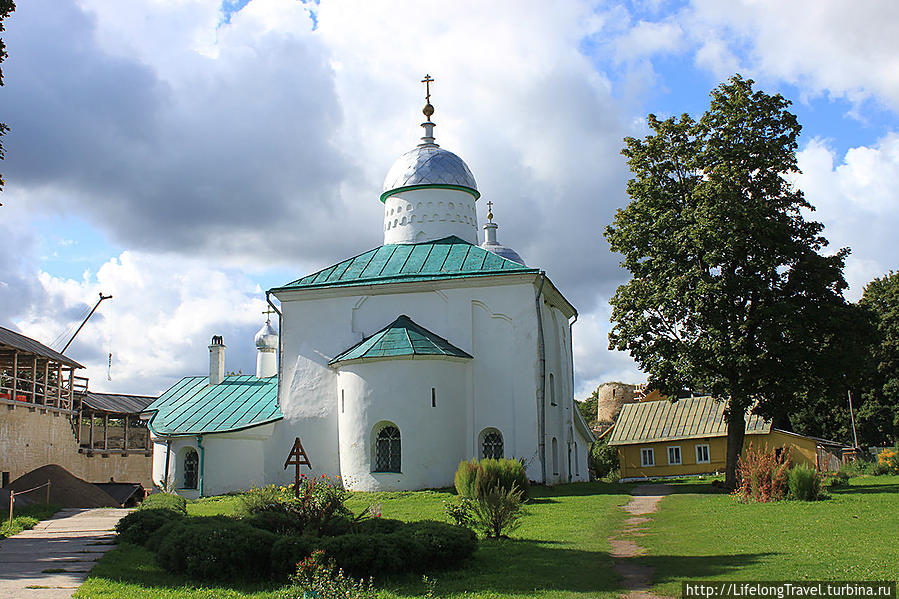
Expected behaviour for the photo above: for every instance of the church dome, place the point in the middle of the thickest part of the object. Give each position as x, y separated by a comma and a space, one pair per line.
429, 165
503, 252
266, 338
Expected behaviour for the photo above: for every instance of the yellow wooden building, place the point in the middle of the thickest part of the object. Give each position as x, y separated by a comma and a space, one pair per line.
689, 436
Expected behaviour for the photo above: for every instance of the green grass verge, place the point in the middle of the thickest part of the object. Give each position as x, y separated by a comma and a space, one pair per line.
26, 518
699, 534
560, 551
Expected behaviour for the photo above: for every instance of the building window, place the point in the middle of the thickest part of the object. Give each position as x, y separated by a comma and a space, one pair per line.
552, 390
191, 467
674, 455
555, 457
491, 444
702, 454
433, 397
388, 450
647, 457
342, 401
577, 467
5, 480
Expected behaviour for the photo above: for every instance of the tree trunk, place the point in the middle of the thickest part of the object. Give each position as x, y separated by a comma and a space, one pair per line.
736, 430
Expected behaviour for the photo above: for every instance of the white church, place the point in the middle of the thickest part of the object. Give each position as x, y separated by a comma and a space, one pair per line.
392, 366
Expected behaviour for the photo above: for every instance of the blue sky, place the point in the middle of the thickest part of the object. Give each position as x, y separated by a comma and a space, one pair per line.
187, 155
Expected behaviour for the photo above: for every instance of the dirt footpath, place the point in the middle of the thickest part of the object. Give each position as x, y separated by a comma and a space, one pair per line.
625, 548
53, 559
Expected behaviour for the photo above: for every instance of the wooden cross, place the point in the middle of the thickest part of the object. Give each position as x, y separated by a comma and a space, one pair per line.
297, 457
427, 81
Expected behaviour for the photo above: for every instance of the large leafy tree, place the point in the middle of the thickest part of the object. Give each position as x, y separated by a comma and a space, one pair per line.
879, 414
730, 292
6, 9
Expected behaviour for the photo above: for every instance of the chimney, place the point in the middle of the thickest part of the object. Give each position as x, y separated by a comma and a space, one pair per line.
216, 360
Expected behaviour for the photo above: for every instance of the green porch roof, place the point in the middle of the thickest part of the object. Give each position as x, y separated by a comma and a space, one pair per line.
402, 337
193, 406
691, 418
447, 258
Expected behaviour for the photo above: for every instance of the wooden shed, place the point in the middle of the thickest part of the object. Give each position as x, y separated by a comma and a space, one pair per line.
689, 436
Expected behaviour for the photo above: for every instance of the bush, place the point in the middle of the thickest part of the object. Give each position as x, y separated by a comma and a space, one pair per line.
890, 460
804, 483
165, 501
320, 501
444, 545
603, 459
276, 522
507, 474
378, 526
464, 480
498, 511
216, 548
140, 526
762, 475
319, 576
880, 468
290, 550
839, 480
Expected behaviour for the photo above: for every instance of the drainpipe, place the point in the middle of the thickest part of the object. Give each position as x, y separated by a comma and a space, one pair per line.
202, 462
168, 453
541, 384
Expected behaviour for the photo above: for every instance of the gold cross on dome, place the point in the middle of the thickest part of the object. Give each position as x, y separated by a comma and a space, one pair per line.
490, 211
268, 314
427, 81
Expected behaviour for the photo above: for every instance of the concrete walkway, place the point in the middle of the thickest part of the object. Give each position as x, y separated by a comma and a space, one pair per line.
635, 577
72, 541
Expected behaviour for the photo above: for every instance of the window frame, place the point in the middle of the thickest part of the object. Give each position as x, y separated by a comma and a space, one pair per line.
680, 457
189, 453
483, 440
708, 453
647, 451
390, 467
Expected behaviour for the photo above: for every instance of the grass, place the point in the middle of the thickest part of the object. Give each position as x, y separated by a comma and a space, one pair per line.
699, 534
560, 551
26, 518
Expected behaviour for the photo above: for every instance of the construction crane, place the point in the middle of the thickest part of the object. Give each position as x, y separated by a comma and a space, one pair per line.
84, 322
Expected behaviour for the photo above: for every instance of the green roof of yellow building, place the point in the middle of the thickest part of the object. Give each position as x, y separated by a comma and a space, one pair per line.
401, 338
192, 406
447, 258
689, 418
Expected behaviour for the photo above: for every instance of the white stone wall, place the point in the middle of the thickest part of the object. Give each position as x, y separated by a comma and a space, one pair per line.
427, 214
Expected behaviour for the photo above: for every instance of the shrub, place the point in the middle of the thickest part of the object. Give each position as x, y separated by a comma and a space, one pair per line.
363, 555
444, 545
498, 511
460, 513
155, 540
880, 468
763, 475
804, 483
290, 550
507, 474
377, 526
603, 459
165, 501
272, 521
320, 500
839, 480
890, 459
464, 480
216, 548
140, 526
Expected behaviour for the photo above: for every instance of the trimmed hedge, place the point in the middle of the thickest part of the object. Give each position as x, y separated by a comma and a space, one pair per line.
211, 549
288, 551
140, 526
165, 501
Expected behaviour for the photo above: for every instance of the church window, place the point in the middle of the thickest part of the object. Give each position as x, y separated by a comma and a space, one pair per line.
492, 444
388, 450
408, 207
433, 397
403, 221
552, 390
342, 401
451, 205
191, 467
577, 466
555, 457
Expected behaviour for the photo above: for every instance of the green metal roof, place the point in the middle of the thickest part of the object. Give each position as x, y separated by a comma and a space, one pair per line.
691, 418
402, 337
447, 258
193, 406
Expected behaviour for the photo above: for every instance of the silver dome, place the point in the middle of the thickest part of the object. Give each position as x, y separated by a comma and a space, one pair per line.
428, 164
503, 252
266, 338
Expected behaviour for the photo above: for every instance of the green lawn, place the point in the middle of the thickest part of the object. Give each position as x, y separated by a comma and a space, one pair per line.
25, 518
702, 535
561, 548
559, 551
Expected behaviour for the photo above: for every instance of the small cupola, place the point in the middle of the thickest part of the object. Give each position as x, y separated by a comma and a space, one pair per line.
266, 347
492, 245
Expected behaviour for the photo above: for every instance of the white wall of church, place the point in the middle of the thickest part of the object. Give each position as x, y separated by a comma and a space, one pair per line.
427, 407
428, 214
496, 324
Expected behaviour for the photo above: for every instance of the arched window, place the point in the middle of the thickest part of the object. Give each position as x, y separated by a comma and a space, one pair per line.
552, 390
577, 465
388, 450
191, 467
555, 457
491, 444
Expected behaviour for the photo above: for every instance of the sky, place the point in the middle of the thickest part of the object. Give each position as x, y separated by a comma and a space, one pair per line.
186, 155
